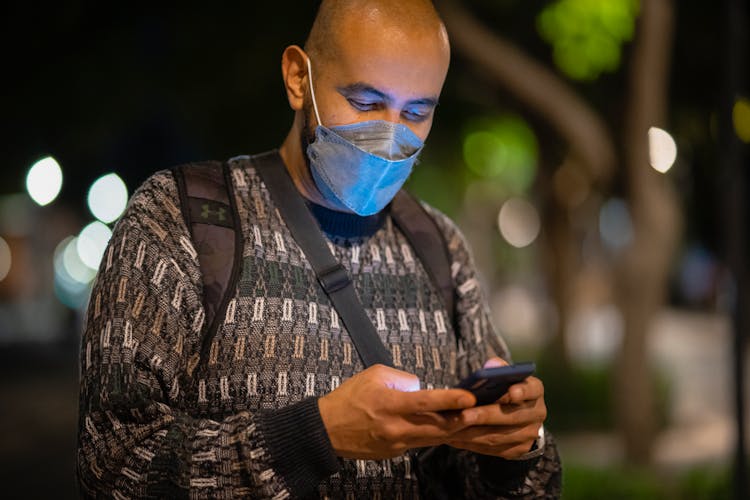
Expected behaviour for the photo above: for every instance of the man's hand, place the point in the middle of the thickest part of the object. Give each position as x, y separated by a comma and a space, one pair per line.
507, 428
380, 413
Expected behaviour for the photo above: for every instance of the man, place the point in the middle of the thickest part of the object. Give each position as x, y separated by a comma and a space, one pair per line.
280, 405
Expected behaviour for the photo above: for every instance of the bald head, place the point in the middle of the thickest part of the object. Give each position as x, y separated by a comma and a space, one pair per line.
339, 21
365, 60
370, 59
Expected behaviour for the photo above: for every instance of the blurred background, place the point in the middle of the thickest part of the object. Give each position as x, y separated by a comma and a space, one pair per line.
594, 152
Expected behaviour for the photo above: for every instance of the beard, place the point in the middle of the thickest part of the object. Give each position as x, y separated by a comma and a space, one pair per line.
307, 134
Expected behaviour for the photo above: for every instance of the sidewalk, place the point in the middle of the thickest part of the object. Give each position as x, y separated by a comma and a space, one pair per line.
694, 351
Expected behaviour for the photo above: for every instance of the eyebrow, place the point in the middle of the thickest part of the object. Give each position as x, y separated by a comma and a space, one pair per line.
364, 88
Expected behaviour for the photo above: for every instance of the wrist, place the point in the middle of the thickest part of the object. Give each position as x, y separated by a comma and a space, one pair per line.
537, 448
328, 416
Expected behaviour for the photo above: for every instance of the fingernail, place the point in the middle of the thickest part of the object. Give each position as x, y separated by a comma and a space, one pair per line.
465, 401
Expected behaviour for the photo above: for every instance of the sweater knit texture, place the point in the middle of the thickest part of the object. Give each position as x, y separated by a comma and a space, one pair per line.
158, 420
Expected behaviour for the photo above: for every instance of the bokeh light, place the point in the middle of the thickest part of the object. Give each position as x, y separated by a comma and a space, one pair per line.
5, 259
72, 277
699, 274
595, 334
662, 150
586, 35
519, 222
503, 149
107, 198
519, 313
44, 181
741, 118
73, 265
615, 225
92, 242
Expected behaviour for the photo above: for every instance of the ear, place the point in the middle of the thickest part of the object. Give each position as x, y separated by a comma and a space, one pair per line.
294, 73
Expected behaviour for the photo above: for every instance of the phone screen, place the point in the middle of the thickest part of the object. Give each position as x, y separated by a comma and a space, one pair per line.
489, 384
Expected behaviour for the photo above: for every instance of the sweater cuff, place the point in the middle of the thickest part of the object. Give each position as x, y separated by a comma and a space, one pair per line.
502, 474
299, 446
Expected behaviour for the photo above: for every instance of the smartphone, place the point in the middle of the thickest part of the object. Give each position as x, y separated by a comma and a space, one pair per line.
489, 384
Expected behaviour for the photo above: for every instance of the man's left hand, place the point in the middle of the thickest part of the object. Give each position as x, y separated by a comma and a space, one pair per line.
507, 428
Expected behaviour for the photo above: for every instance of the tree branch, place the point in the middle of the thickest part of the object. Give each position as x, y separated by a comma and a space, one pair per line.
536, 86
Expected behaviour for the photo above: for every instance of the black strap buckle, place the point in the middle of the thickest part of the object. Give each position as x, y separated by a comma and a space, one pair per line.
334, 278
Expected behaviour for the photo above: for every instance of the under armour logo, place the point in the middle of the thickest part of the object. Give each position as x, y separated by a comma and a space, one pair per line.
206, 212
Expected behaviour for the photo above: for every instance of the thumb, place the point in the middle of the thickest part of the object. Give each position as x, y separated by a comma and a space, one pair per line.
495, 363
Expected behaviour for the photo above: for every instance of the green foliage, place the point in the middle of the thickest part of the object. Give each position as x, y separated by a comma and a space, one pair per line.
699, 483
706, 484
587, 35
440, 186
580, 398
500, 150
587, 483
504, 149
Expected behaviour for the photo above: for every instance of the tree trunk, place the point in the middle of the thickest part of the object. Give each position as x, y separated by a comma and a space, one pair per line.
535, 86
557, 104
643, 271
559, 260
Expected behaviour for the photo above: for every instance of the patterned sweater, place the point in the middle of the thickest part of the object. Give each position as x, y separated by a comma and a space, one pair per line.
156, 420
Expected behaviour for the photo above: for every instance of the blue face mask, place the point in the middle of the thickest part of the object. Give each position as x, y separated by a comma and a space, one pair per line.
361, 166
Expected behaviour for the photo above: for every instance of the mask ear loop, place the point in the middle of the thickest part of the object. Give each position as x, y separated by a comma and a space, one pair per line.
312, 91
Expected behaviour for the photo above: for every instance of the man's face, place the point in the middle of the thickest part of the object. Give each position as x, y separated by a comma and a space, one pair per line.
379, 73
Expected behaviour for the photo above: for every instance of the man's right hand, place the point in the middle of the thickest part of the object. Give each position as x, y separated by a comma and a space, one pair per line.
378, 413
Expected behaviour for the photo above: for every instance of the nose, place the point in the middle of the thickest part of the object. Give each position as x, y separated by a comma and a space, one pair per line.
390, 115
393, 115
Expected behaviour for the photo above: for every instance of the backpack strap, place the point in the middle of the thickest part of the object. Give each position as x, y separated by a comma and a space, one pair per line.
210, 213
428, 242
332, 276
